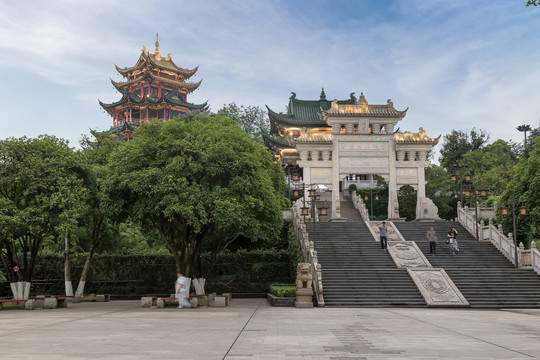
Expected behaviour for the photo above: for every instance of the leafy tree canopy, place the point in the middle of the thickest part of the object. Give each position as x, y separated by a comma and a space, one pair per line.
457, 143
40, 191
252, 119
440, 189
201, 182
491, 166
524, 187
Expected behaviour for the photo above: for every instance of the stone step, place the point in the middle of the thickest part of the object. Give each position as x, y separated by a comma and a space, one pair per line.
356, 272
482, 274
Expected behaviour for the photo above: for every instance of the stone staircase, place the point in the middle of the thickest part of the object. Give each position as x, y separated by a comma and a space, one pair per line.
356, 271
482, 274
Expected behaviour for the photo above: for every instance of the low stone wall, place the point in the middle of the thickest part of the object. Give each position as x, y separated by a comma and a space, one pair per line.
280, 301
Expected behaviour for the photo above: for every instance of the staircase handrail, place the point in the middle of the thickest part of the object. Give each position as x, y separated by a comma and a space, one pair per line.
466, 219
359, 204
535, 258
495, 235
308, 251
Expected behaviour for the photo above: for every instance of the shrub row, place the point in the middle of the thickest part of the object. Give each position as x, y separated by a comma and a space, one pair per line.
239, 272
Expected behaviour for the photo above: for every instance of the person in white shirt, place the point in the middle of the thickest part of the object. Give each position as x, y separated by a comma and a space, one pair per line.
182, 291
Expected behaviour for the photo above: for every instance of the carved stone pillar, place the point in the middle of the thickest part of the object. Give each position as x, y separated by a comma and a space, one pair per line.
336, 209
349, 128
389, 128
304, 155
408, 155
336, 128
326, 155
421, 193
401, 155
422, 155
375, 128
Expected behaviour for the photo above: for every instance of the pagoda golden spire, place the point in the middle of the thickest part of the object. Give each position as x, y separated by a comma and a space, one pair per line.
156, 53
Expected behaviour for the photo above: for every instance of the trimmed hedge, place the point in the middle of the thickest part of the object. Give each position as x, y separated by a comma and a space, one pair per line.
239, 272
283, 290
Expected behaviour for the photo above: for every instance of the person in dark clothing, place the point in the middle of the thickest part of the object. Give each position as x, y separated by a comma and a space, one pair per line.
382, 233
432, 241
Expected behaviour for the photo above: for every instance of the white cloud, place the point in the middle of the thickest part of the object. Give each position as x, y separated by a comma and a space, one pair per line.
457, 65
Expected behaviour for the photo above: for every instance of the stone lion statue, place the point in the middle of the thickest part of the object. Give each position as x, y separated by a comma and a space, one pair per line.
303, 276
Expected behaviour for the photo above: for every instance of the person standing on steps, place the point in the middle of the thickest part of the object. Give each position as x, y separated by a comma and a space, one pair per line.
452, 241
432, 241
382, 233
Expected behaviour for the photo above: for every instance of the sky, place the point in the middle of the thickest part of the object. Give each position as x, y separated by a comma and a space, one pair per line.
454, 64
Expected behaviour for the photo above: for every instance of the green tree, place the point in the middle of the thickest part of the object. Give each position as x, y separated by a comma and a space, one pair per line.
252, 119
524, 187
201, 182
407, 202
458, 143
39, 183
491, 166
440, 189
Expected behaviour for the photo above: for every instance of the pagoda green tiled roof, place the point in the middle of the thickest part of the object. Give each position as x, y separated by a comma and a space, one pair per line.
279, 141
174, 97
306, 113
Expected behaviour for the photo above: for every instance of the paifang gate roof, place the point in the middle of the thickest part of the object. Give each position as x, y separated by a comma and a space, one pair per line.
305, 113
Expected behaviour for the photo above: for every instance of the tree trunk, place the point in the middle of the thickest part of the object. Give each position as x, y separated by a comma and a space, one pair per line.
198, 285
20, 290
85, 271
67, 267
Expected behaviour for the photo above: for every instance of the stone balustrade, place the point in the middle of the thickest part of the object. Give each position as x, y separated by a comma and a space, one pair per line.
308, 251
505, 244
359, 204
376, 128
535, 258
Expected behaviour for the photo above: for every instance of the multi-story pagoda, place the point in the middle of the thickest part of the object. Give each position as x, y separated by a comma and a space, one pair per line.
339, 143
154, 88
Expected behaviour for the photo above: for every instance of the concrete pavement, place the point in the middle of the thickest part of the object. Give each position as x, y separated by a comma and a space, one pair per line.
250, 329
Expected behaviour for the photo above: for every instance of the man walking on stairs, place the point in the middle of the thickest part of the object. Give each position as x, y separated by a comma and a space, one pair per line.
382, 234
432, 241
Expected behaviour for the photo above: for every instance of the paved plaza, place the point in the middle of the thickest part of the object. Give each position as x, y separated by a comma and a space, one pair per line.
251, 329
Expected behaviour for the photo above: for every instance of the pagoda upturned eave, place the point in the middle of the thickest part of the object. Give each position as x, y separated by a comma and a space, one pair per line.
291, 120
135, 99
148, 60
121, 86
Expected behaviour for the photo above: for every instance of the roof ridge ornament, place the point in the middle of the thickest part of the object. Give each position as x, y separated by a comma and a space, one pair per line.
157, 56
362, 100
390, 103
323, 95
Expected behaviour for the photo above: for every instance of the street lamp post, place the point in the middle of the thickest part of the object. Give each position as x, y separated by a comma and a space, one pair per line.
466, 189
522, 211
475, 192
458, 174
524, 128
371, 200
315, 200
